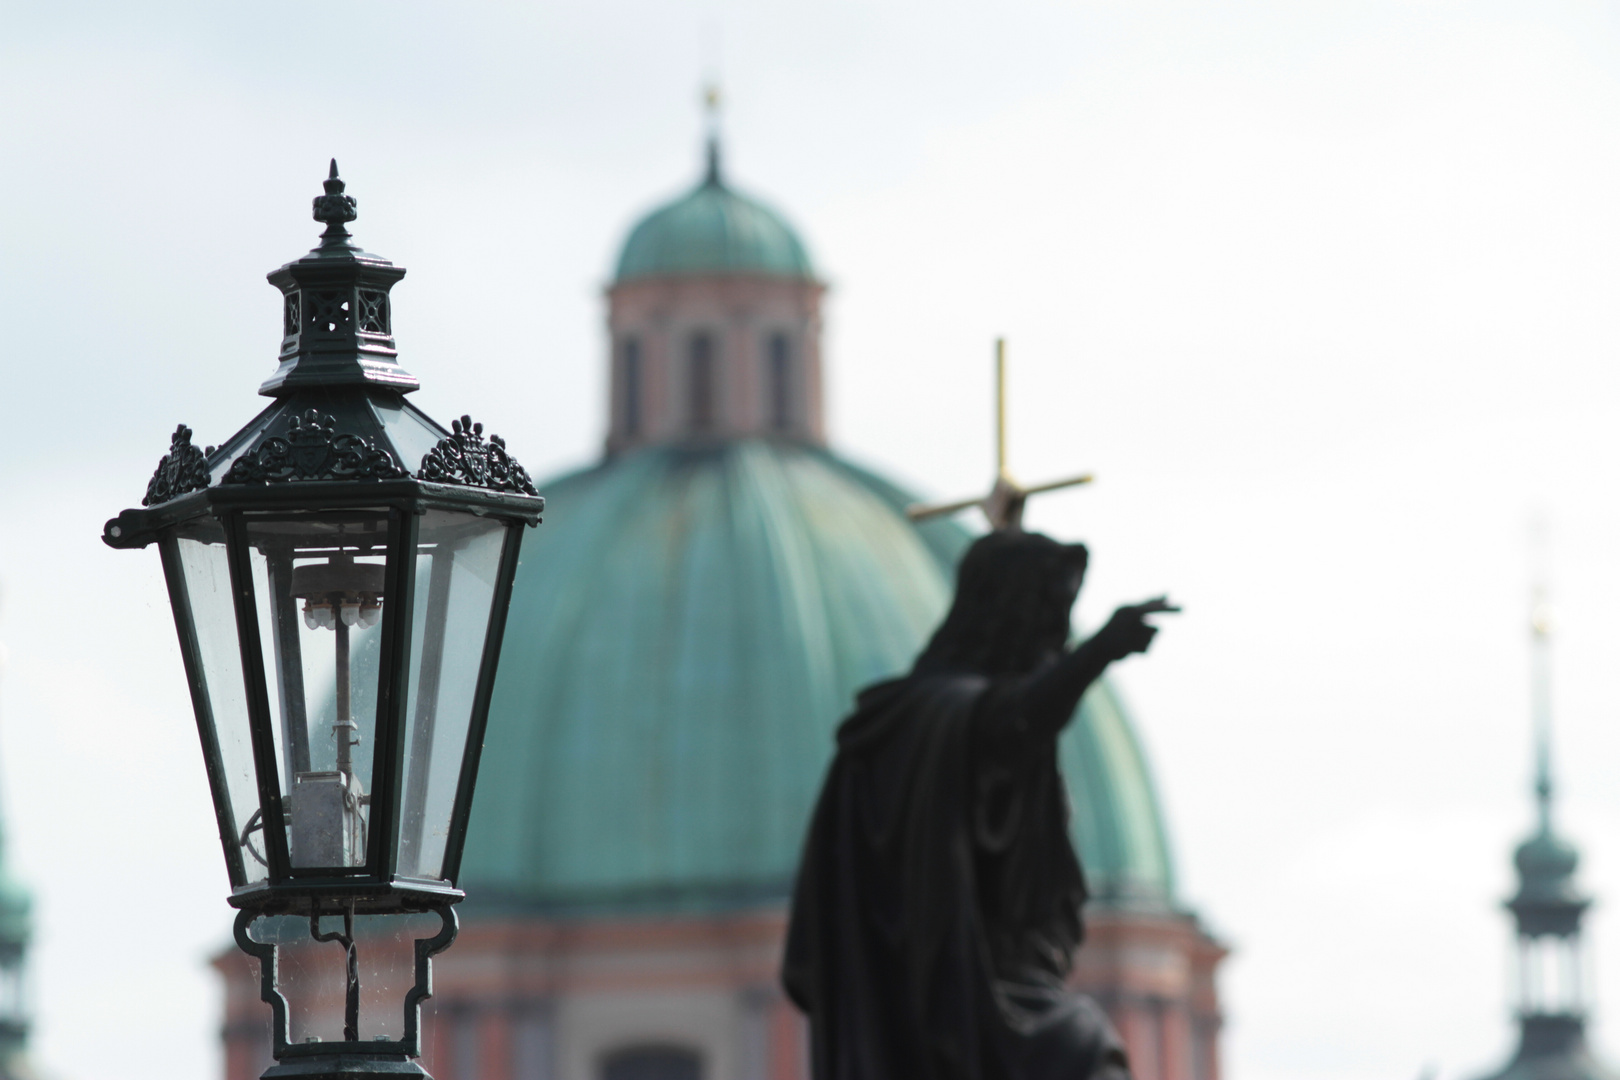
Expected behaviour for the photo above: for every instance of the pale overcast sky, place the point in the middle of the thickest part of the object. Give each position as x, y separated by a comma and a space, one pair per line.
1328, 295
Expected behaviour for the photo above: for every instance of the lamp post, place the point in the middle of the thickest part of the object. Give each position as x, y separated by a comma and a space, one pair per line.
339, 571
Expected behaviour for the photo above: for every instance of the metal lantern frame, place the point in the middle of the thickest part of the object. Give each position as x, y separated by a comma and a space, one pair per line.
333, 452
374, 883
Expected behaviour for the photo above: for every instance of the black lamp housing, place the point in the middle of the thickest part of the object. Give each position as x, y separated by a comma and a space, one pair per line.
340, 571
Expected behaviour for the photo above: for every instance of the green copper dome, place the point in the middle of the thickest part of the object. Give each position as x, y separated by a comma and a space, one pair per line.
687, 629
713, 230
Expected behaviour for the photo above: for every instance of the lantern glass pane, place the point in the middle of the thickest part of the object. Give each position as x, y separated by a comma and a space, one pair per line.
458, 558
204, 563
318, 581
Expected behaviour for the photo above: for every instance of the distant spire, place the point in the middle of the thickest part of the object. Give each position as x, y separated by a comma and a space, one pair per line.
1541, 626
1548, 907
711, 114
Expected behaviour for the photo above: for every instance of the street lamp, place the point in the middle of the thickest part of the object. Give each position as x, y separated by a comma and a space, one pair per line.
340, 571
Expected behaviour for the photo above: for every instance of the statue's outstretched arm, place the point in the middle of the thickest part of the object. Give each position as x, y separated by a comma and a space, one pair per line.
1050, 696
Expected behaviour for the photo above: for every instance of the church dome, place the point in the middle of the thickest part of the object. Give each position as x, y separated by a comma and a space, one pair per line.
713, 230
687, 629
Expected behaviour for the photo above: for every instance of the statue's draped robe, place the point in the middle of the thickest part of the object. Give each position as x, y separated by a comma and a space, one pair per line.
937, 907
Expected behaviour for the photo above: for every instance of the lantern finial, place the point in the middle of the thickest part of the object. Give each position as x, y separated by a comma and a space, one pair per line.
337, 326
334, 208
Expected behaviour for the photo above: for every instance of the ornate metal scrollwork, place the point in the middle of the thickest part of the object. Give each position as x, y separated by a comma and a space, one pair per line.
373, 311
268, 955
184, 468
330, 310
314, 450
465, 458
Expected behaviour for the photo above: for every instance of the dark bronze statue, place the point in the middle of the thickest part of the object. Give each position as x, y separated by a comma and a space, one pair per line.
938, 903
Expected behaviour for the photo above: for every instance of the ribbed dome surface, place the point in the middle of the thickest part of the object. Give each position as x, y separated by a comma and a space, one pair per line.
687, 629
713, 230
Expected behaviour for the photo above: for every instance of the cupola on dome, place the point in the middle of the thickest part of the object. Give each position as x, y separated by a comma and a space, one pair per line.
713, 230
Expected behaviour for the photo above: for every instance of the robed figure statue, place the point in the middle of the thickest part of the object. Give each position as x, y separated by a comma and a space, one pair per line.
938, 904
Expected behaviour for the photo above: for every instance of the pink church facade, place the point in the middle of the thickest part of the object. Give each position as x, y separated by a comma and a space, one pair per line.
535, 999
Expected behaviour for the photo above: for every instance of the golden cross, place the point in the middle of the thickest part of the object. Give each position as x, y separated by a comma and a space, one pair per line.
1004, 506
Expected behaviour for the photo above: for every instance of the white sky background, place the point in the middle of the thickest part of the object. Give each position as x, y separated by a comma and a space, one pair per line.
1327, 294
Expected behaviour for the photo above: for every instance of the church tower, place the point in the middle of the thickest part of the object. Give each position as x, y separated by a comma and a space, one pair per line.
1550, 989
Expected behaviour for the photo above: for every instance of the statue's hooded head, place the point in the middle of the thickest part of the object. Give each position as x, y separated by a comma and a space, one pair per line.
1014, 592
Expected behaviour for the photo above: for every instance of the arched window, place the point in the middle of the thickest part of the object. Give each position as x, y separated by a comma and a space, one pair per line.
778, 382
632, 386
700, 381
653, 1063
